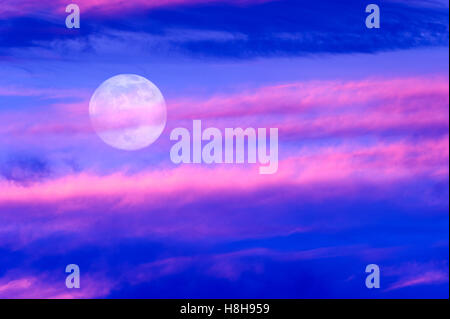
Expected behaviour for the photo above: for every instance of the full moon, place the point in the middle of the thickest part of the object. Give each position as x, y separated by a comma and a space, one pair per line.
128, 112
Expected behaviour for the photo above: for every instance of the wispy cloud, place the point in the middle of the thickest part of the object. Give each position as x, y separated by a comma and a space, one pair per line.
44, 286
418, 274
218, 29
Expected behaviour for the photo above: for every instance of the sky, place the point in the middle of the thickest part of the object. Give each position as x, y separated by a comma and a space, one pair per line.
363, 173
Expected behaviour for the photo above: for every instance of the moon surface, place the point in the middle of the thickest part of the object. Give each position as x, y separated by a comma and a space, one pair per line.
128, 112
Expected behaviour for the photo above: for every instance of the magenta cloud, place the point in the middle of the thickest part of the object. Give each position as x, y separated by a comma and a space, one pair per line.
299, 110
160, 202
15, 8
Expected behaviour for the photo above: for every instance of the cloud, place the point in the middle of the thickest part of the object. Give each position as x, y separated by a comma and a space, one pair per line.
418, 274
401, 99
44, 286
224, 29
363, 163
179, 202
24, 169
380, 162
28, 7
315, 109
427, 278
230, 266
45, 93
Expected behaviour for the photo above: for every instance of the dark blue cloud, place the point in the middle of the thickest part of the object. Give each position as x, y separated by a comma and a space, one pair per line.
24, 169
400, 241
280, 28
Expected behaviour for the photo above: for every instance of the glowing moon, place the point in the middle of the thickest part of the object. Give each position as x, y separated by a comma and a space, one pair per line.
128, 112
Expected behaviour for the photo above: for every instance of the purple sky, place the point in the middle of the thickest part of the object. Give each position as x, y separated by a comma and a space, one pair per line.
363, 177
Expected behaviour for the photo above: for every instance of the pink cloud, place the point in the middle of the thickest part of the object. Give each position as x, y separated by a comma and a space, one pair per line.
43, 286
313, 172
381, 162
300, 110
372, 122
427, 278
162, 202
417, 274
14, 8
395, 95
